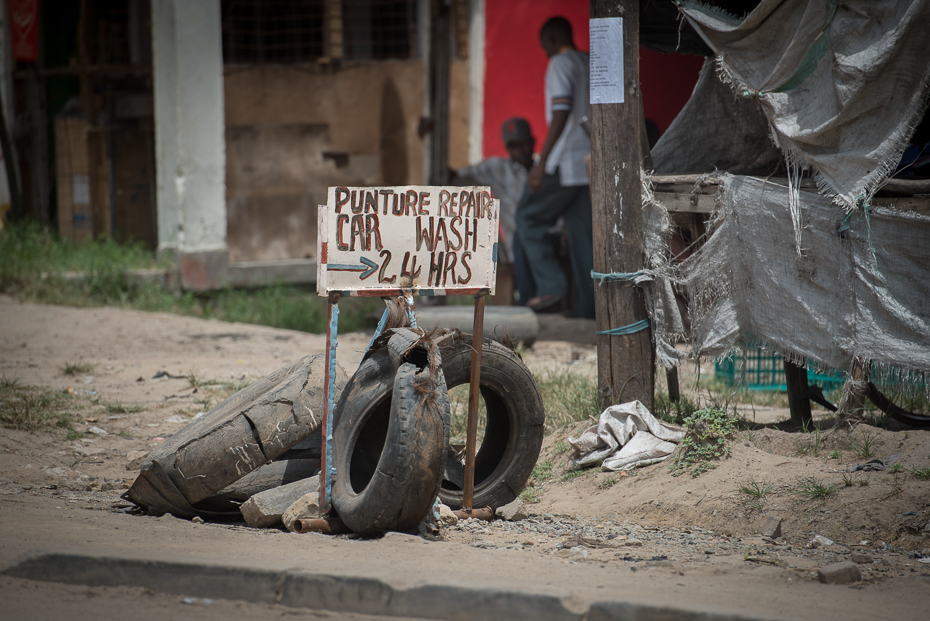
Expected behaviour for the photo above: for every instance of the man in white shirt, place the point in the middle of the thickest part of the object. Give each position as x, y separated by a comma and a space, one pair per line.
558, 183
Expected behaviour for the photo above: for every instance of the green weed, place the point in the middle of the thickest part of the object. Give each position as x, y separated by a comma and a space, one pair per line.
571, 475
561, 447
608, 482
865, 445
77, 368
835, 454
706, 441
895, 468
120, 408
756, 489
810, 443
815, 489
922, 474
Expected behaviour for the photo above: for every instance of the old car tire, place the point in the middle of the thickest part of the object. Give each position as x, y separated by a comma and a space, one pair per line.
256, 425
514, 433
389, 445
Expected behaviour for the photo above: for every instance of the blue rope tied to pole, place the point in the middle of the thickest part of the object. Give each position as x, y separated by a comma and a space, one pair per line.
630, 329
614, 276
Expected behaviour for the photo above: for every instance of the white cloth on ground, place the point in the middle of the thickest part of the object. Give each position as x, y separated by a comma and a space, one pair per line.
625, 437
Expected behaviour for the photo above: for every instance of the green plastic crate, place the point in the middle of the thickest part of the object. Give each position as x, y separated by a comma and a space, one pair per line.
756, 369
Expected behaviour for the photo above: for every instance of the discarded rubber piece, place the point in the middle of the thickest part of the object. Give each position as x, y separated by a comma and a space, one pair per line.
883, 403
252, 427
515, 422
269, 476
389, 446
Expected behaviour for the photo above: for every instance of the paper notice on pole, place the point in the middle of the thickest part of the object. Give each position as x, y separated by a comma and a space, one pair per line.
606, 60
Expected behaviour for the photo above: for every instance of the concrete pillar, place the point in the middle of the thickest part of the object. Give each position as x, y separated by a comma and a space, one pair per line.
190, 147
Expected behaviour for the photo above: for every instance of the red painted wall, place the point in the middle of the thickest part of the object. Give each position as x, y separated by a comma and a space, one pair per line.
515, 68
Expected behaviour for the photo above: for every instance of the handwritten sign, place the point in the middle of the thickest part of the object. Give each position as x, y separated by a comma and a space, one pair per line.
428, 239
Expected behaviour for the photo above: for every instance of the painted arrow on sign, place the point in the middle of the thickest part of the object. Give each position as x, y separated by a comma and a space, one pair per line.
367, 268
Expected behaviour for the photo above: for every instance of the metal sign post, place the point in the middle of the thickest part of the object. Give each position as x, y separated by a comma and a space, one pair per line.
471, 425
397, 241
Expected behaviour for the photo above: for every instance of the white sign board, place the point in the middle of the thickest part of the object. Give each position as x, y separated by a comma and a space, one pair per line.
606, 60
386, 240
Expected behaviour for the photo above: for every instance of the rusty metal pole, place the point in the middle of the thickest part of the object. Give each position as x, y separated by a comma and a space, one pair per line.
474, 387
329, 392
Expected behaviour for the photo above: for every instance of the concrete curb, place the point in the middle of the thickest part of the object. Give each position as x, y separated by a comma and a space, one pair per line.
319, 591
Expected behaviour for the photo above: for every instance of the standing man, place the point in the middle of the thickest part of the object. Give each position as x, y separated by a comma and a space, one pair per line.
558, 183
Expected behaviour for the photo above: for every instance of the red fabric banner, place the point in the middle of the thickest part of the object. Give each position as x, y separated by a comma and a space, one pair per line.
24, 29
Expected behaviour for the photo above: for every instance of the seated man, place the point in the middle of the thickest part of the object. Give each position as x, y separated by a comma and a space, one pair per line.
507, 180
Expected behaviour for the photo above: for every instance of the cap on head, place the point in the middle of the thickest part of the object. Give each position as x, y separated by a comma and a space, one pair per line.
516, 128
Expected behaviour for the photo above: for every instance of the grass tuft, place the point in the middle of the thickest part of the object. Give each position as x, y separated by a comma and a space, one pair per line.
77, 368
34, 409
568, 397
815, 489
865, 445
922, 474
542, 473
756, 489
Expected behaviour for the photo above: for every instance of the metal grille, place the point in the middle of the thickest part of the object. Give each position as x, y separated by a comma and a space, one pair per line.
296, 31
377, 29
272, 31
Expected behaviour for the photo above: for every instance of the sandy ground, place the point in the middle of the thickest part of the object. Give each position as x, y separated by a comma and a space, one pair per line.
150, 374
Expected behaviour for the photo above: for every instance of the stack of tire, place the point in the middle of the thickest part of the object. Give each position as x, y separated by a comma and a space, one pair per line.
391, 430
391, 436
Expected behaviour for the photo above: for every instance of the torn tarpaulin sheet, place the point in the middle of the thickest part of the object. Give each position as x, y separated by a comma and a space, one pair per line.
626, 436
875, 465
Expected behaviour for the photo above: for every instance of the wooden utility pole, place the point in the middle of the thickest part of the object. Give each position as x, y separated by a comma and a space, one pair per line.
438, 69
625, 363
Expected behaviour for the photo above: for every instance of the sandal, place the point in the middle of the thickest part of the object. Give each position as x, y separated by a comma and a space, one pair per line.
547, 304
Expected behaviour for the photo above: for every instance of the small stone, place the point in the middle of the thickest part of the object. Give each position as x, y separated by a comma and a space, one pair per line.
197, 519
819, 540
860, 559
267, 508
304, 508
134, 459
772, 527
577, 552
839, 573
708, 551
447, 516
512, 511
402, 538
631, 542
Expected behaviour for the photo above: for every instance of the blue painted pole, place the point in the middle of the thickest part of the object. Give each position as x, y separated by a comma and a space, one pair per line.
329, 393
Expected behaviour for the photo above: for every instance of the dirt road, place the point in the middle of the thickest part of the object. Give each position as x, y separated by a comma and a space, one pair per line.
647, 536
